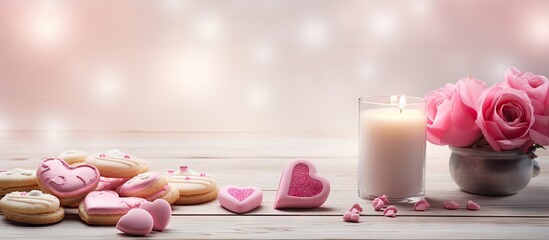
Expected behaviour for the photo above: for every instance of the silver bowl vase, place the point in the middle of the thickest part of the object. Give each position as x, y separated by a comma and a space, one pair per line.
487, 172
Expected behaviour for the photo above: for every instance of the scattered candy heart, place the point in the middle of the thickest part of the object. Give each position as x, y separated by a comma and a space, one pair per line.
161, 212
137, 222
421, 205
472, 205
353, 215
451, 205
390, 211
380, 202
240, 199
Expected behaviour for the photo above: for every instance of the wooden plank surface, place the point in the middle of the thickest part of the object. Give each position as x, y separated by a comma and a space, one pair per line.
258, 159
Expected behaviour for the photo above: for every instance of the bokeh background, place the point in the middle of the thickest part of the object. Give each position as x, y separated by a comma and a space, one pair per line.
254, 65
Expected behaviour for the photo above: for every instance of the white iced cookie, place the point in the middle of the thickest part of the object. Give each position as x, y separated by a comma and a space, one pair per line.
17, 179
193, 187
32, 207
116, 164
73, 156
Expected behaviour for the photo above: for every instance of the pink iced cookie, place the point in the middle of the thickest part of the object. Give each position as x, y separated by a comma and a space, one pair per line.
106, 183
451, 205
151, 186
240, 199
137, 222
353, 215
301, 187
472, 205
161, 212
70, 184
106, 207
390, 211
421, 205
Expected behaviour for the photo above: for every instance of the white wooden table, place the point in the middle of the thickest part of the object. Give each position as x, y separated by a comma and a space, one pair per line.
258, 159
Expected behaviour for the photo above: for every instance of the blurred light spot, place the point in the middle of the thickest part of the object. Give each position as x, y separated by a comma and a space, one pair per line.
262, 54
192, 73
48, 23
538, 29
208, 27
314, 33
258, 96
420, 7
107, 84
53, 126
383, 25
365, 70
174, 7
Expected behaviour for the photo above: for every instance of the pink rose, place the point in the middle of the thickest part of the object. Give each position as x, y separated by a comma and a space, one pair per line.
451, 113
505, 117
537, 88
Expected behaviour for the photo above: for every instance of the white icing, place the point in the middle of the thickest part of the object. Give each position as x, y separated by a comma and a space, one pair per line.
35, 193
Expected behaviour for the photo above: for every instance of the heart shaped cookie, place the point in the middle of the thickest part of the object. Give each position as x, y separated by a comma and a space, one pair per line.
137, 222
301, 187
161, 212
66, 182
240, 199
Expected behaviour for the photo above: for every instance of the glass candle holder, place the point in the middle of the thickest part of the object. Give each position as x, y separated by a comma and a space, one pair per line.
391, 150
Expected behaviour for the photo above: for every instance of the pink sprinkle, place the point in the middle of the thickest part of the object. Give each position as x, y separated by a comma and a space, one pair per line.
23, 194
171, 171
188, 178
102, 155
473, 206
202, 174
127, 156
390, 211
183, 168
451, 205
421, 205
302, 185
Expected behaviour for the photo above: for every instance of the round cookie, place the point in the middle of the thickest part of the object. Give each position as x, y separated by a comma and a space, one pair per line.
32, 207
151, 186
106, 207
73, 157
193, 187
69, 183
116, 164
17, 180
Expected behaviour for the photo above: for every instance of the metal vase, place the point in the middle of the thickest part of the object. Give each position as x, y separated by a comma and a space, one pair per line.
486, 172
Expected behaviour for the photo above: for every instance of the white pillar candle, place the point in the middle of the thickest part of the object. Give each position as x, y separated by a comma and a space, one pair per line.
392, 148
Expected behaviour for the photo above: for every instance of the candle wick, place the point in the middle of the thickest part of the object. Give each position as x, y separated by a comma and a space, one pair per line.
401, 110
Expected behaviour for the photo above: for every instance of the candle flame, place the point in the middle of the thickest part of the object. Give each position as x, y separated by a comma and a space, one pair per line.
402, 103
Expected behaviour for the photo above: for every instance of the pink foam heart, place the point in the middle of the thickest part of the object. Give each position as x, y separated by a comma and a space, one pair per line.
240, 199
472, 205
137, 222
67, 181
421, 205
301, 187
451, 205
161, 212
